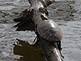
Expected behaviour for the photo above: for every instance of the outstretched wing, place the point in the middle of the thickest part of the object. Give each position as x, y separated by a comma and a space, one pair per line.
46, 3
25, 21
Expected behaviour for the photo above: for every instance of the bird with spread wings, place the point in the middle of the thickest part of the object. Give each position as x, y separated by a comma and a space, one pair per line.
48, 32
25, 21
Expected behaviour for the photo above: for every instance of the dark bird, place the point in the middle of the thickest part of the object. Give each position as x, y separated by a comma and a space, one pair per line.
25, 21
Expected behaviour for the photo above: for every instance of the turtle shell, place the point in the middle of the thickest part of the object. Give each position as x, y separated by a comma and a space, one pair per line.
49, 30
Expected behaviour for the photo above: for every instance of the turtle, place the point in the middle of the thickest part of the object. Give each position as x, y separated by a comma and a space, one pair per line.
49, 30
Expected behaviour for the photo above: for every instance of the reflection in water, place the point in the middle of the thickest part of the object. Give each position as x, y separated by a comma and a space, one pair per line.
29, 52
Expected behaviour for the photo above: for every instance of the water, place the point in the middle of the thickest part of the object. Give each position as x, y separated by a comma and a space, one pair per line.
71, 42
